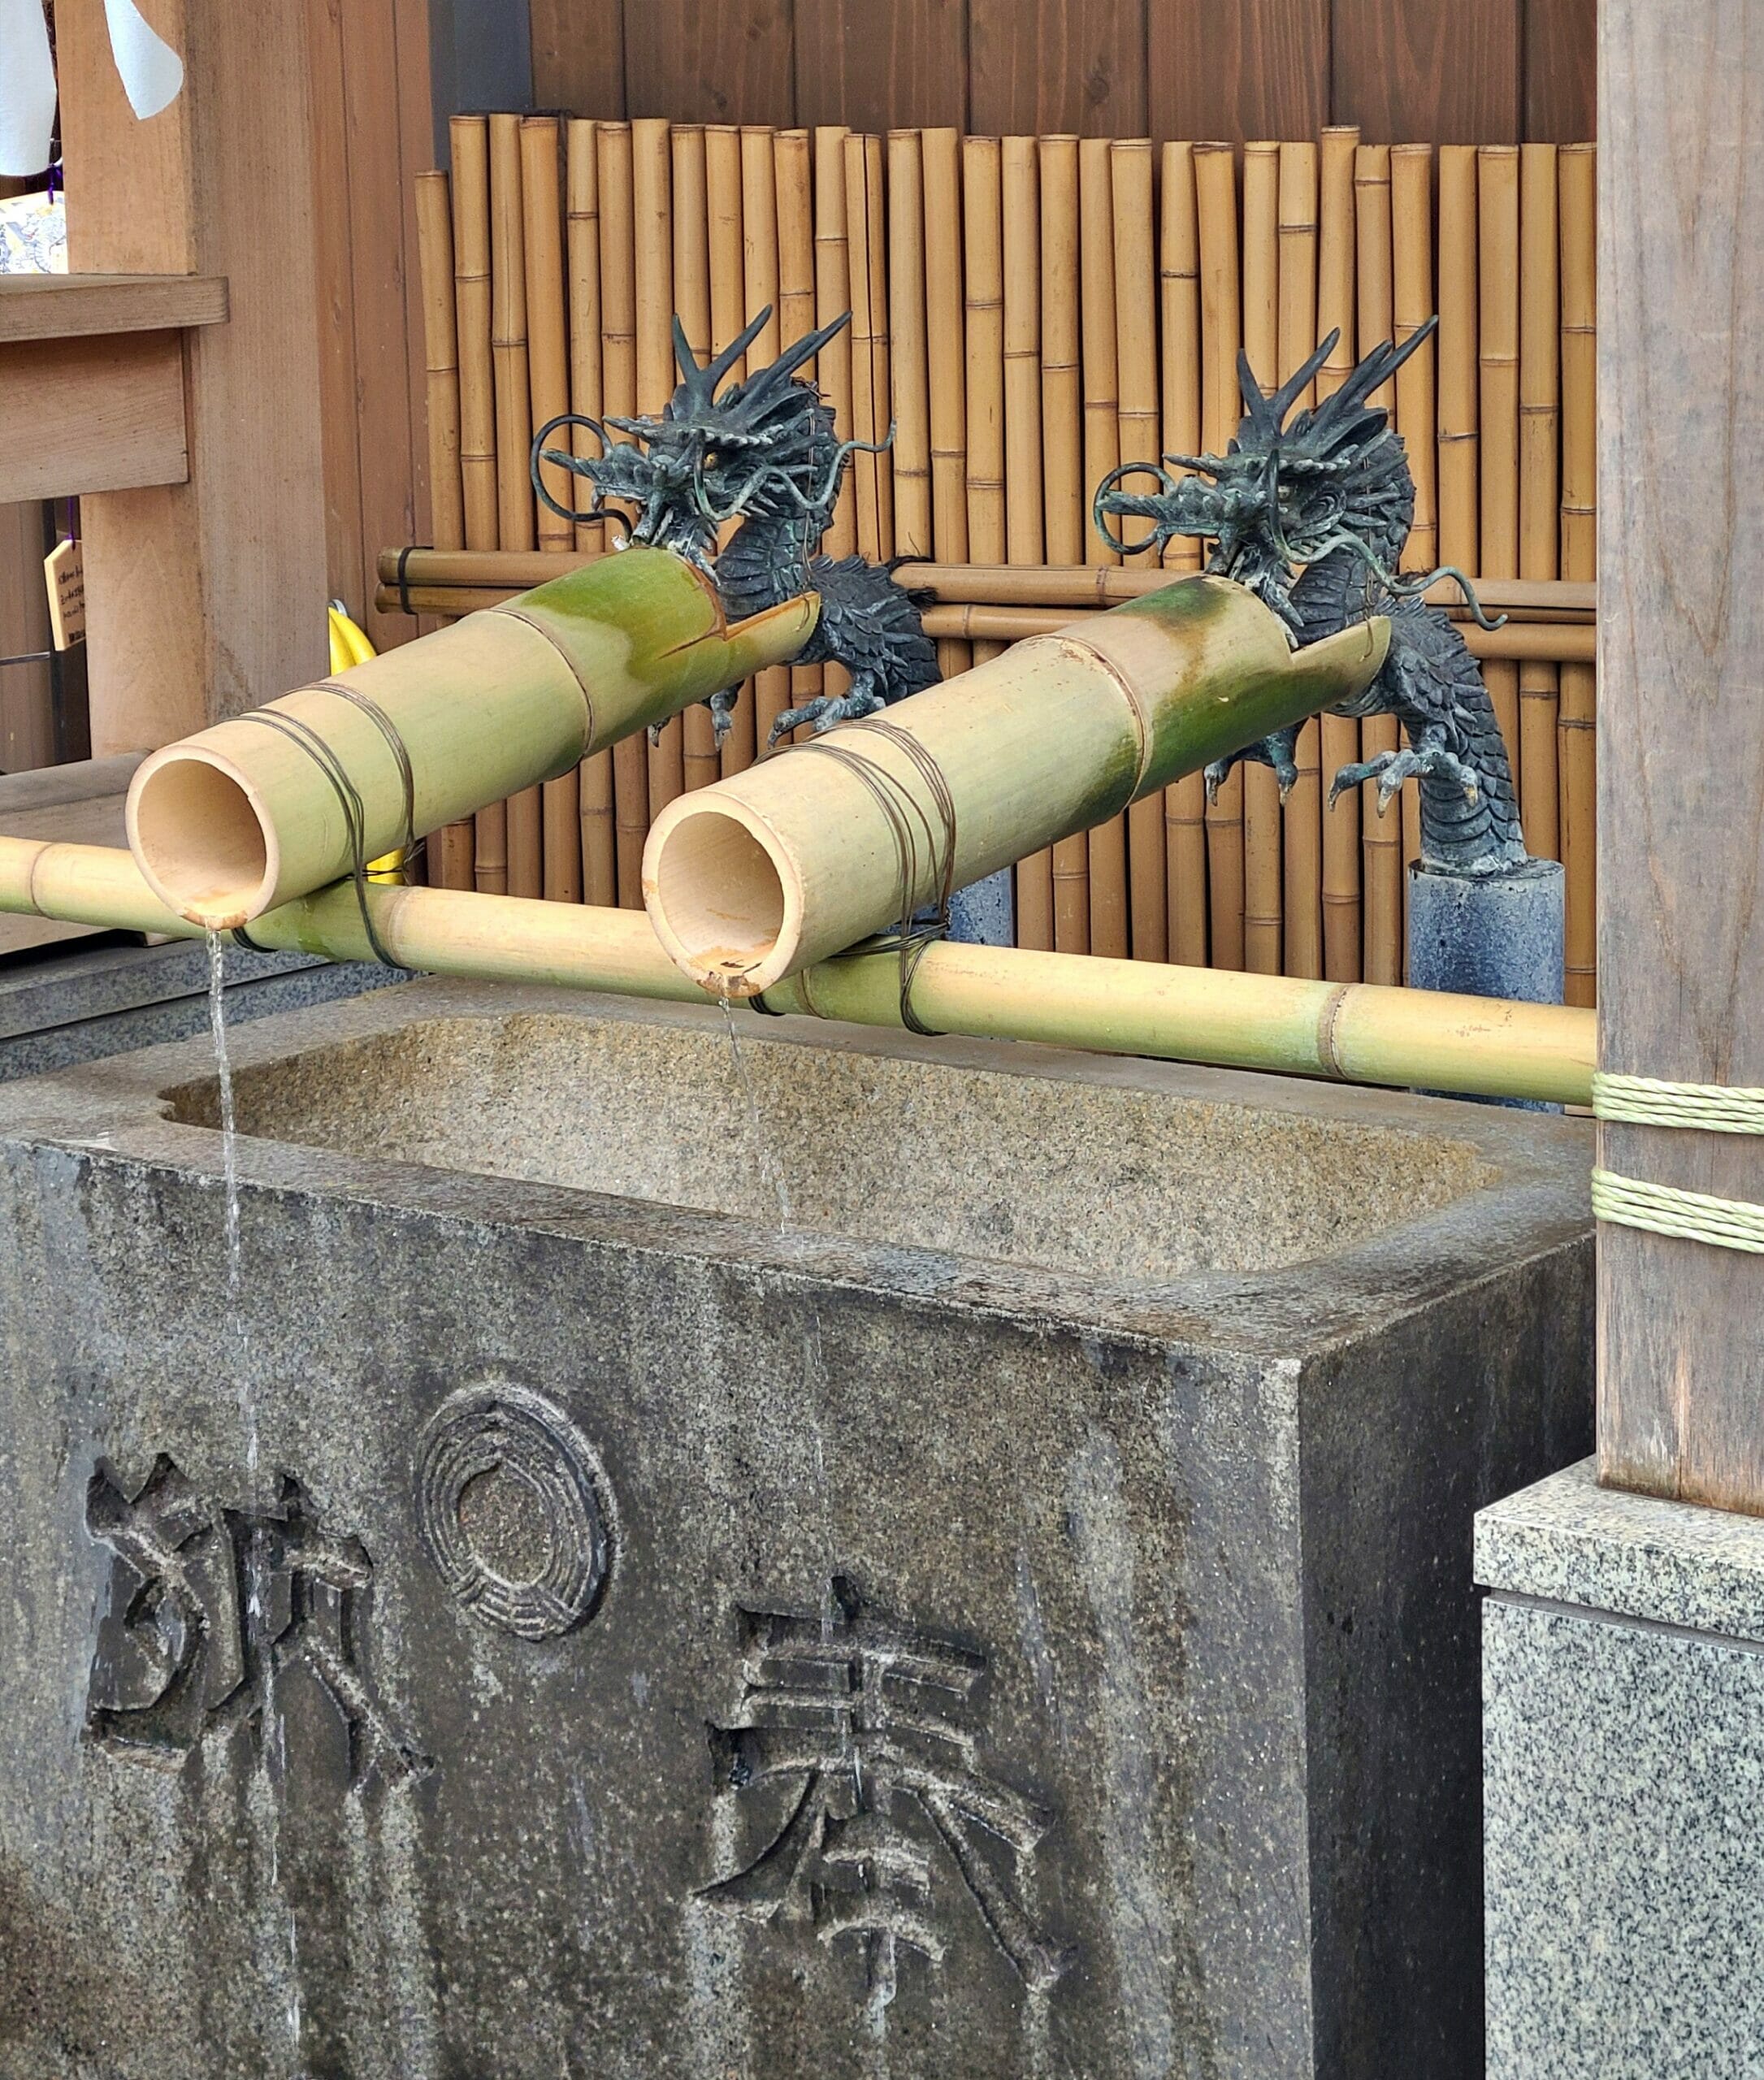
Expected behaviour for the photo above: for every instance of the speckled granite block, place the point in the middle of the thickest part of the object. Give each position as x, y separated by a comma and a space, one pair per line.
1623, 1786
898, 1556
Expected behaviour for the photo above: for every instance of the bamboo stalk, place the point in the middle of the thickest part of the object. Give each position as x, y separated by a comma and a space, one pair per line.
1215, 197
760, 270
1381, 843
1110, 923
988, 534
791, 162
1457, 346
1136, 359
508, 335
1065, 524
1412, 288
619, 378
581, 187
1576, 166
700, 761
802, 855
728, 316
469, 138
1263, 887
652, 235
240, 817
1302, 811
948, 375
454, 849
882, 381
908, 360
1023, 521
1184, 801
548, 377
1359, 1035
1498, 255
1540, 417
546, 322
1339, 737
514, 428
833, 295
599, 843
865, 472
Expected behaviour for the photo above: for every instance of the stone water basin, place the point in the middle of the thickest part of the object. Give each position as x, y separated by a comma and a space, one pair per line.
896, 1555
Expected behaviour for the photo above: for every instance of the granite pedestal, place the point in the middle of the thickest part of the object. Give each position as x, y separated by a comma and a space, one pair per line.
885, 1555
1623, 1680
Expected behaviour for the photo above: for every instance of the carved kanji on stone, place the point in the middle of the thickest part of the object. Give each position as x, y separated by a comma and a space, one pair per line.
869, 1727
209, 1609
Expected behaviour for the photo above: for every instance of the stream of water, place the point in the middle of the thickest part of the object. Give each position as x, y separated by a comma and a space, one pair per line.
771, 1170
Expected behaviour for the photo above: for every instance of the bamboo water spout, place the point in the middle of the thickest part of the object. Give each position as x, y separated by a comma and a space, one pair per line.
1353, 1033
804, 854
270, 805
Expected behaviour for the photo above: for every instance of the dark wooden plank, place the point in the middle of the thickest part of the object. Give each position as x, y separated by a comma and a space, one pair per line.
733, 62
1427, 72
1041, 66
1235, 69
1681, 727
579, 56
1561, 72
882, 64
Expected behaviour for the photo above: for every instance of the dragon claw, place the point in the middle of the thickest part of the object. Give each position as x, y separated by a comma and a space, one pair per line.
1390, 769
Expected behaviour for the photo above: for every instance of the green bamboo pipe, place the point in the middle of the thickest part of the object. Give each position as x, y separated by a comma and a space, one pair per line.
1353, 1032
261, 809
806, 854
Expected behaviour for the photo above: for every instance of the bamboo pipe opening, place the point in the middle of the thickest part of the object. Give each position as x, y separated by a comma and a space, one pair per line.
201, 840
723, 900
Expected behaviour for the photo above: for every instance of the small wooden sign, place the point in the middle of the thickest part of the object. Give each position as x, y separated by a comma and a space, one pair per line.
65, 569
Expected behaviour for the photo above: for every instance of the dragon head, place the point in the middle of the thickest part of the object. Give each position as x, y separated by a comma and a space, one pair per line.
764, 443
1283, 496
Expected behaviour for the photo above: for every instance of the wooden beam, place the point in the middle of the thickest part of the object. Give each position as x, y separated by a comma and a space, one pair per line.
1681, 723
70, 306
84, 415
206, 597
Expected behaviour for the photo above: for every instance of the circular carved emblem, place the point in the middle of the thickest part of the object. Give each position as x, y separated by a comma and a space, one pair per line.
509, 1504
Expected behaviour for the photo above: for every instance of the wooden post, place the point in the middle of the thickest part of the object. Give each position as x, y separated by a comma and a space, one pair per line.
1681, 726
208, 596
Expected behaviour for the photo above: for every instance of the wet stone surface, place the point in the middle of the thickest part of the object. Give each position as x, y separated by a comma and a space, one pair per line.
1018, 1621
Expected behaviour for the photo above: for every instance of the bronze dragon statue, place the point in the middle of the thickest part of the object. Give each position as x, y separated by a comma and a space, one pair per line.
1311, 515
762, 453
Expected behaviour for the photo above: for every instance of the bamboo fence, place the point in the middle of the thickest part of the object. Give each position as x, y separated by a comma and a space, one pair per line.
1026, 312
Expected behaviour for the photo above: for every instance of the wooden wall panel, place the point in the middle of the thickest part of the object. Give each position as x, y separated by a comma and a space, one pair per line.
1250, 68
579, 56
1561, 72
882, 64
1464, 71
1447, 72
732, 62
1041, 66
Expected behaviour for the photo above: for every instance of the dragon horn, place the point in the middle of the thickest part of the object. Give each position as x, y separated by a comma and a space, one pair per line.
1299, 381
1205, 465
781, 370
692, 376
718, 368
1254, 401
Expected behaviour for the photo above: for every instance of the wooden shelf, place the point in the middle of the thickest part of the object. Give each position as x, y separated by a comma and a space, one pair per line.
35, 307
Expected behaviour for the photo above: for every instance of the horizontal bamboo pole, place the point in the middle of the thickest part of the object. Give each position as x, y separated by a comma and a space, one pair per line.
805, 854
258, 810
1572, 641
983, 584
1356, 1032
